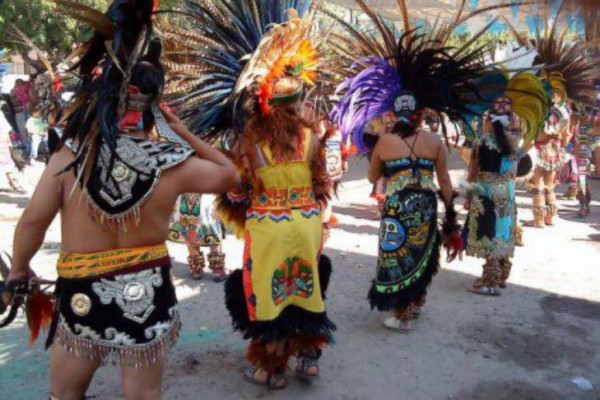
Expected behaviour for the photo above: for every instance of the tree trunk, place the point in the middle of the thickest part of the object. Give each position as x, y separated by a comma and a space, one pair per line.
39, 66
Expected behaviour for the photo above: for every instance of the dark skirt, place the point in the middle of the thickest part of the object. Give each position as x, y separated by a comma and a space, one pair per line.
409, 249
129, 319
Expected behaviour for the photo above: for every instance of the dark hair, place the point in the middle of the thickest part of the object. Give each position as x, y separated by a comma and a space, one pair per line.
149, 76
405, 129
504, 143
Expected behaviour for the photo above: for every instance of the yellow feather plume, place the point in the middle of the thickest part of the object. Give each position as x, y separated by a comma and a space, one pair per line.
530, 103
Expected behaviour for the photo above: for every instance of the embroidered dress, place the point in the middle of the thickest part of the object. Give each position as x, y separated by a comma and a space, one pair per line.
491, 223
194, 221
409, 240
117, 306
550, 154
281, 284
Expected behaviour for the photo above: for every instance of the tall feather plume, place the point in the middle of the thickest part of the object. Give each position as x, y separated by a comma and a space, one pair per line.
121, 36
566, 61
404, 12
215, 44
88, 15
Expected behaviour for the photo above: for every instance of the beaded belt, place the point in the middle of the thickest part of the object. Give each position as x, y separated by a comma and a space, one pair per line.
292, 197
111, 262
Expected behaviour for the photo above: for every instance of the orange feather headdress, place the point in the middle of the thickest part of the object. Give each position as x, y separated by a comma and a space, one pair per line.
286, 60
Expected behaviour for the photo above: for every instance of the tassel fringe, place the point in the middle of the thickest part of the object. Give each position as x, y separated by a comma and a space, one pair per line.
135, 356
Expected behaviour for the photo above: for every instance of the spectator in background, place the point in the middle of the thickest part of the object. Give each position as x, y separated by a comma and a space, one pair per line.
9, 111
7, 164
20, 100
594, 137
37, 131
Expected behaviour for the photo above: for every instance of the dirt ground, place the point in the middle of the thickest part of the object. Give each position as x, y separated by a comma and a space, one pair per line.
532, 343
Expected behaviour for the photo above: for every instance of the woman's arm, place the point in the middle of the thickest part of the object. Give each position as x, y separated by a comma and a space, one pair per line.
376, 165
443, 176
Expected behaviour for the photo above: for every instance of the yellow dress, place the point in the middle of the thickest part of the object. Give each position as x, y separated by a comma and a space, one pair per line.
283, 240
278, 292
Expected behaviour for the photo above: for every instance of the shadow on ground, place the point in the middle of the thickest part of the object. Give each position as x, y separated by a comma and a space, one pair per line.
503, 356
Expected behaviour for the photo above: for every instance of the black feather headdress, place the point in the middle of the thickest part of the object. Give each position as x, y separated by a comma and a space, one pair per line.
379, 68
121, 82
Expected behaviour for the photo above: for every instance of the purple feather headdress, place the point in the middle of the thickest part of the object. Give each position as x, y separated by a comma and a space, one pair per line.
365, 96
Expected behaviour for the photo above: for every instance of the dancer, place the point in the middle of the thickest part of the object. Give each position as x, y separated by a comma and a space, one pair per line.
568, 72
115, 300
194, 223
336, 156
491, 227
260, 60
405, 78
594, 136
583, 153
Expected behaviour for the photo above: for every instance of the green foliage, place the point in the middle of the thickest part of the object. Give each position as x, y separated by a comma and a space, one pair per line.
49, 30
39, 20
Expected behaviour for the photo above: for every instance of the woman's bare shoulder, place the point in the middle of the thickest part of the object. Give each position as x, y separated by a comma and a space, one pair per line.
431, 137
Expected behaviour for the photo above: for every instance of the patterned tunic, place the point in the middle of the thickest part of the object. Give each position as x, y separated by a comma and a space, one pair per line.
491, 222
409, 240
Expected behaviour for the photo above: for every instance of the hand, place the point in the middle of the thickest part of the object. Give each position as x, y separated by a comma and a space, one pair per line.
467, 204
16, 275
173, 120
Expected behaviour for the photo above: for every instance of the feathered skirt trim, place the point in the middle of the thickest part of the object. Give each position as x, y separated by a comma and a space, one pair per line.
292, 322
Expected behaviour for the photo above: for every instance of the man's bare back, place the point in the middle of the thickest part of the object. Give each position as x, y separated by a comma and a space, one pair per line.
78, 224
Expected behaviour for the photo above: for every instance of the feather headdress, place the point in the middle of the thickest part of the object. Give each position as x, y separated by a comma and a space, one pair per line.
378, 67
289, 51
516, 79
206, 59
567, 67
438, 79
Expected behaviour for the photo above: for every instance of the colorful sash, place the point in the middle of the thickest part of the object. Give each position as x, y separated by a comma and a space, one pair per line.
111, 262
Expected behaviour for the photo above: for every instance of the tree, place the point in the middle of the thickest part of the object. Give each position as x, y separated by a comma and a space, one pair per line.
50, 31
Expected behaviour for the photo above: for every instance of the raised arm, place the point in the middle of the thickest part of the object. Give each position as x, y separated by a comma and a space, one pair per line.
210, 172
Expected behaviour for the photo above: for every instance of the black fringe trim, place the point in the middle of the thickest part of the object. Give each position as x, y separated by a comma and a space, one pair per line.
392, 301
325, 270
291, 322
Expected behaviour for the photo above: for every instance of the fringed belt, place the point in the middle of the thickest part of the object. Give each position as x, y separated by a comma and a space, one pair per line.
111, 262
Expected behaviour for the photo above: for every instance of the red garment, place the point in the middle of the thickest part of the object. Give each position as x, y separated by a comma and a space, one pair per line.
22, 94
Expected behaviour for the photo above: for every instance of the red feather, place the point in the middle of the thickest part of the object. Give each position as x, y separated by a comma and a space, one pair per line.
454, 246
39, 310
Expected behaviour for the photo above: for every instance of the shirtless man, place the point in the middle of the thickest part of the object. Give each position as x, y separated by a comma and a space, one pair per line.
71, 372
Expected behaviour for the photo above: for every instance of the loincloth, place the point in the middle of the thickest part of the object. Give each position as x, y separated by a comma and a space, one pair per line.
117, 306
